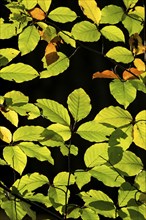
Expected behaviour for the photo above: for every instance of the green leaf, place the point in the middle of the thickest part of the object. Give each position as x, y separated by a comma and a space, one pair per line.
125, 94
18, 72
54, 111
62, 130
91, 10
15, 157
130, 3
107, 175
130, 164
51, 139
57, 67
28, 39
126, 193
140, 129
57, 197
139, 84
2, 163
28, 109
67, 38
99, 202
45, 4
40, 198
49, 32
6, 55
82, 177
85, 31
122, 137
62, 15
79, 104
28, 133
61, 179
133, 23
96, 155
94, 131
113, 33
5, 134
30, 182
111, 14
35, 150
8, 30
140, 180
66, 150
11, 116
29, 4
113, 115
13, 209
89, 214
120, 54
15, 97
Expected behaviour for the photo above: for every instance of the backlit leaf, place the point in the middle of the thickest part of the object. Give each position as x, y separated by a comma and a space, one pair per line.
126, 193
67, 38
107, 175
11, 116
113, 33
30, 182
34, 150
89, 214
79, 104
5, 134
125, 94
28, 133
120, 54
44, 4
82, 177
140, 129
54, 111
139, 64
51, 54
91, 10
130, 164
29, 4
114, 115
13, 209
28, 39
111, 14
61, 179
128, 74
18, 72
140, 180
99, 202
96, 155
130, 3
15, 157
8, 30
15, 97
62, 15
7, 54
85, 31
94, 131
62, 130
57, 67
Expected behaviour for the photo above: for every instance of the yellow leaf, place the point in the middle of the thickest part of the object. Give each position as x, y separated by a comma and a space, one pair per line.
91, 10
5, 134
139, 64
11, 116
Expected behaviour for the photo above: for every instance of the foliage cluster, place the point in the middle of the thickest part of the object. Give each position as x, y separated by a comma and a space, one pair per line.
111, 132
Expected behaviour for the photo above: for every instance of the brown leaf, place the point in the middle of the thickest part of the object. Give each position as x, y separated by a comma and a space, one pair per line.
37, 13
105, 74
127, 75
51, 53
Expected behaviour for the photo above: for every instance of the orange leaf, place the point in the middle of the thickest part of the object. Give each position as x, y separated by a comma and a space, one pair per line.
105, 74
127, 75
51, 53
37, 13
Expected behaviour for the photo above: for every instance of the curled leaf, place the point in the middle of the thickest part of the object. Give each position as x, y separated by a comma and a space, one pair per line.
136, 45
105, 74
